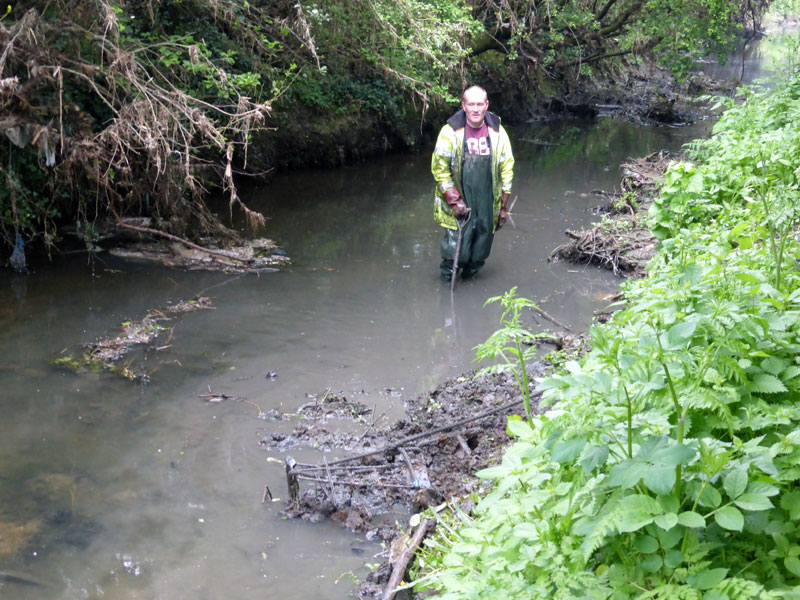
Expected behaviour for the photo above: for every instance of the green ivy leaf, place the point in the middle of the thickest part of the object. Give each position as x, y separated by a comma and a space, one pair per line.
729, 517
691, 519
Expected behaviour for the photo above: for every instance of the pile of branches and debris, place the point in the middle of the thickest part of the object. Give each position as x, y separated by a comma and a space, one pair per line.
422, 460
620, 242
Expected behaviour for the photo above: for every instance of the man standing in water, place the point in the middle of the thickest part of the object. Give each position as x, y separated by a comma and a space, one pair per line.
473, 167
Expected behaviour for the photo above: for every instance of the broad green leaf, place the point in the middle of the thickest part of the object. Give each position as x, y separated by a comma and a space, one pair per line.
520, 429
790, 502
666, 521
762, 487
738, 230
729, 517
566, 450
774, 365
669, 538
679, 334
637, 512
593, 457
676, 454
790, 372
493, 472
735, 482
691, 519
753, 502
646, 544
627, 473
710, 497
660, 479
792, 565
550, 383
652, 563
669, 503
705, 580
662, 450
673, 559
584, 525
764, 383
527, 531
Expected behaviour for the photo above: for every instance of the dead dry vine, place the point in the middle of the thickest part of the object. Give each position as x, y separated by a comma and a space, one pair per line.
116, 126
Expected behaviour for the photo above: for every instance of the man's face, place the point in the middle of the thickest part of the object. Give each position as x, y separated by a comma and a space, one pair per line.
475, 105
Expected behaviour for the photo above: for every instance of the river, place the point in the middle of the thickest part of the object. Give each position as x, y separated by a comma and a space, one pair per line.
148, 491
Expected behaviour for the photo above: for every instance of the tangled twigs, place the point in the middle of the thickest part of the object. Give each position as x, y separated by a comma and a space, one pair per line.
121, 122
620, 251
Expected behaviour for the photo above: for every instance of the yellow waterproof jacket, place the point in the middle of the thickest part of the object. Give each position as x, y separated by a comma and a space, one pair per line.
446, 164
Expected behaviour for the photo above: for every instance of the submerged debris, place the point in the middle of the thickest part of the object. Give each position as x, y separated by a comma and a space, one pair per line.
256, 255
104, 354
15, 537
430, 455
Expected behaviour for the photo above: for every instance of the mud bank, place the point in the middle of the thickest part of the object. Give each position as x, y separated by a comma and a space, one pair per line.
426, 458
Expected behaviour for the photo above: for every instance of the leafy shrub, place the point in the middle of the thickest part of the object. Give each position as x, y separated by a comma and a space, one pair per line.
668, 463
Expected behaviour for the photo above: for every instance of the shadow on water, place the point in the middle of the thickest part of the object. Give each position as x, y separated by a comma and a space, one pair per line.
113, 490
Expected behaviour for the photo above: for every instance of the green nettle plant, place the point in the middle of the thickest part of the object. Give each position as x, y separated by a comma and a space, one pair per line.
667, 465
512, 343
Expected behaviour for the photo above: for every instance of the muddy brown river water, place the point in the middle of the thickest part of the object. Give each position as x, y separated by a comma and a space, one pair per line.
113, 490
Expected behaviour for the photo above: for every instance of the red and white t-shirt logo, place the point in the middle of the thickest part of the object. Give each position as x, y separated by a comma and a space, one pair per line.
477, 140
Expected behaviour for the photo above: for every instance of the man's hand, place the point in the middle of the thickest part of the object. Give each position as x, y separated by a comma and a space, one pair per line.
456, 202
503, 217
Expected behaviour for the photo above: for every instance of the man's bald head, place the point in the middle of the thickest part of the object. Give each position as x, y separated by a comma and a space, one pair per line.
475, 103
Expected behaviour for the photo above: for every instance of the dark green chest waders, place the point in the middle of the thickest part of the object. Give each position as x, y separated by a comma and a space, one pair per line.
477, 236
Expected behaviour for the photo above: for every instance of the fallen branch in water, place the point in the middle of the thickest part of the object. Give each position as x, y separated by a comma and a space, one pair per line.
401, 564
180, 240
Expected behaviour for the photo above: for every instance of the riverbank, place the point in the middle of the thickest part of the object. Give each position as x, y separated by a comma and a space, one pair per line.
669, 457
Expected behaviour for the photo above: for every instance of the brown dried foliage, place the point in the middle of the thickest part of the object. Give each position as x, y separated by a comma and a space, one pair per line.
150, 148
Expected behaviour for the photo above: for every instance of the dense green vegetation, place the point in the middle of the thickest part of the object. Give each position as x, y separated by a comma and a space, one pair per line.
138, 107
667, 465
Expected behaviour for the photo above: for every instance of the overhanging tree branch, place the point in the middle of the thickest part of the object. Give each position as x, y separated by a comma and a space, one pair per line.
622, 19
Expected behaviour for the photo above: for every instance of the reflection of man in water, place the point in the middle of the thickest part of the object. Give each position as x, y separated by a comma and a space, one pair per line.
473, 167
